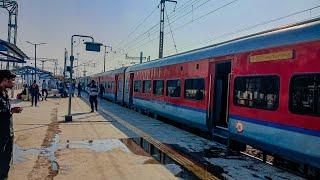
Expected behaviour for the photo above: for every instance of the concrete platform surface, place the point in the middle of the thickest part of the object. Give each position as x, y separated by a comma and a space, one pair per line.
90, 147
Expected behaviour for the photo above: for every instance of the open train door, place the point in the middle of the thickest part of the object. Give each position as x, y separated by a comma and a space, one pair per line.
220, 99
131, 89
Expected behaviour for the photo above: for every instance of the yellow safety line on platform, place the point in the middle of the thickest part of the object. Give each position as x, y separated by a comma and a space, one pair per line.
194, 167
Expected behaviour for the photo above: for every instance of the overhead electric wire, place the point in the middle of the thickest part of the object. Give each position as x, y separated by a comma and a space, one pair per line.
261, 24
189, 11
156, 30
200, 17
143, 21
204, 15
174, 43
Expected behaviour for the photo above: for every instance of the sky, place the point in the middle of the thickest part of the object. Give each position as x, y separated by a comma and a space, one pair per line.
132, 26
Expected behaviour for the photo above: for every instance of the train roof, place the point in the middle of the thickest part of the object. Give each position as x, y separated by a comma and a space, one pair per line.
111, 72
292, 34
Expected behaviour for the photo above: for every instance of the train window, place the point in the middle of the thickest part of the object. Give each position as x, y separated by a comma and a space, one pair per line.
146, 86
305, 94
112, 85
194, 89
120, 86
158, 87
173, 88
109, 85
126, 87
137, 86
260, 92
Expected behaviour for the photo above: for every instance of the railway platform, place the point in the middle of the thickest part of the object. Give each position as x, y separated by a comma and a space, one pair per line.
88, 148
118, 143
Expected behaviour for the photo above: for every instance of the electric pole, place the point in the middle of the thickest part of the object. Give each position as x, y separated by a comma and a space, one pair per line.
140, 58
162, 6
35, 56
104, 56
12, 8
65, 63
78, 64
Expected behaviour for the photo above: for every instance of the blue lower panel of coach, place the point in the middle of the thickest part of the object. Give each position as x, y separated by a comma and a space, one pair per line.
185, 115
109, 96
291, 142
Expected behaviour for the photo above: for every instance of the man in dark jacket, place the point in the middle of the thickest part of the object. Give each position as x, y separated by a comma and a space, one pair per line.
34, 91
93, 93
6, 124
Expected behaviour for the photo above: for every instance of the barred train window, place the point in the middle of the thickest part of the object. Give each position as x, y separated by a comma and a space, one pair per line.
120, 86
173, 88
112, 85
137, 86
158, 87
305, 94
260, 92
194, 89
146, 86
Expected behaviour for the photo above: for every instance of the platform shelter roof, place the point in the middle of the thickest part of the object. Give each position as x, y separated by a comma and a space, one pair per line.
28, 70
11, 53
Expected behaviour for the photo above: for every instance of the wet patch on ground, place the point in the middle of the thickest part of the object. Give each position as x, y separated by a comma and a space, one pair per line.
100, 145
20, 154
45, 167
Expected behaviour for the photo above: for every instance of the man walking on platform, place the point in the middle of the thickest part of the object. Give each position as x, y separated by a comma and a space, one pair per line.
93, 92
44, 90
34, 91
6, 124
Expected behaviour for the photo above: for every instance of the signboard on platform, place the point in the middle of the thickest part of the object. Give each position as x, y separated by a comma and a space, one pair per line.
92, 46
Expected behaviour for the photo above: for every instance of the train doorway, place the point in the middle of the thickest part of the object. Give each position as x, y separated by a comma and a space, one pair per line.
221, 95
131, 89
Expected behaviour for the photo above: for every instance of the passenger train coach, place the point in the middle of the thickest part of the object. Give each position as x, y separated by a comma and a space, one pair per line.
262, 90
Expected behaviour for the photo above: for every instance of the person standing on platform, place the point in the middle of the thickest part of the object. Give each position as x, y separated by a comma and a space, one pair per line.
93, 95
34, 91
79, 89
6, 124
44, 89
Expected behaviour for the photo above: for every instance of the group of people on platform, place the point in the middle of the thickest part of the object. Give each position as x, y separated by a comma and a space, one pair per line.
34, 91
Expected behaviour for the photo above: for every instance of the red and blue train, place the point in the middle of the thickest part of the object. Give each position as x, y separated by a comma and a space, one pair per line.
262, 90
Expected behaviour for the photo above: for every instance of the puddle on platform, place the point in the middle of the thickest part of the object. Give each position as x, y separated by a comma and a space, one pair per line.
101, 145
50, 153
20, 154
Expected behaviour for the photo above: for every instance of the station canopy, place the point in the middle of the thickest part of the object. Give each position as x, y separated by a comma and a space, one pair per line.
11, 53
28, 70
